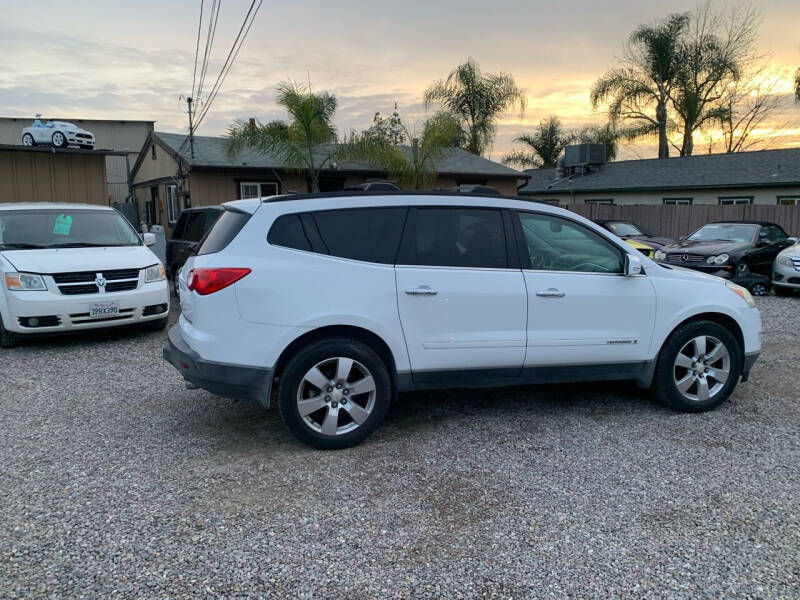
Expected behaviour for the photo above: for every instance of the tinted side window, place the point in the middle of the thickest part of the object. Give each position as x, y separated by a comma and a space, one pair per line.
555, 244
457, 237
772, 233
225, 229
180, 226
287, 231
368, 234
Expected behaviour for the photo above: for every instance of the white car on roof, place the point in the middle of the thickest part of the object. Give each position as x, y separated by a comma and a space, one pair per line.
67, 267
333, 303
57, 133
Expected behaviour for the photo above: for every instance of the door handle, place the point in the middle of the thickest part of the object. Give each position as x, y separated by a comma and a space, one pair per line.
551, 293
422, 290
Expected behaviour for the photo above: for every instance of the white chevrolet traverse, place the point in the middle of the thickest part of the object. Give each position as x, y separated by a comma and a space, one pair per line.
333, 303
67, 267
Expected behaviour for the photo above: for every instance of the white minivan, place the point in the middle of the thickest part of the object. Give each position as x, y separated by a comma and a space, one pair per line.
68, 267
333, 303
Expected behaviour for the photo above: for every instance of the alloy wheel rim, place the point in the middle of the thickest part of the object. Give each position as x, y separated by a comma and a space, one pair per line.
701, 368
27, 140
759, 290
336, 396
58, 139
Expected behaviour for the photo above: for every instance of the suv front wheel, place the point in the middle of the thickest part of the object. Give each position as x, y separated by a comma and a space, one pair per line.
334, 393
698, 367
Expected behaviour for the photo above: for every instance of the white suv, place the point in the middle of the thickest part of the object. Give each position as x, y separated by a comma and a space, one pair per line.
67, 267
336, 302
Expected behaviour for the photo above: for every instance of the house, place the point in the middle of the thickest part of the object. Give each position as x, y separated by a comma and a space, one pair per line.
761, 177
167, 178
43, 174
125, 137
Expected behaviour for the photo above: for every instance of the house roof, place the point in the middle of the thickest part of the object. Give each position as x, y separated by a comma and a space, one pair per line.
210, 153
764, 168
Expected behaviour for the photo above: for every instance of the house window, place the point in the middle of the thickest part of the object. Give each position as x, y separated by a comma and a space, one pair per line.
257, 189
789, 200
172, 203
152, 151
599, 201
676, 201
729, 200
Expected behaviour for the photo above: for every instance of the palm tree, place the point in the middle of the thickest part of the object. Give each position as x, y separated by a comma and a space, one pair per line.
477, 100
306, 142
797, 85
413, 166
646, 81
543, 146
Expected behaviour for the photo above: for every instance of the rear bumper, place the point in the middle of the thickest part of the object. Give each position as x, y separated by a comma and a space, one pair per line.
232, 381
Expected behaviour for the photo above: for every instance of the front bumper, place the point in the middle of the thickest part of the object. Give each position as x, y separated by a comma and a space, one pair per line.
71, 313
749, 360
232, 381
785, 276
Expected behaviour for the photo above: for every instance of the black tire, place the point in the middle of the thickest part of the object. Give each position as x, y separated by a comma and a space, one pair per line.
664, 385
783, 291
7, 338
27, 140
292, 379
157, 325
759, 289
63, 139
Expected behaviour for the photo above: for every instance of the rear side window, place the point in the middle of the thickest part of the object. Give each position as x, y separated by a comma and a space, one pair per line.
366, 234
226, 228
456, 237
198, 224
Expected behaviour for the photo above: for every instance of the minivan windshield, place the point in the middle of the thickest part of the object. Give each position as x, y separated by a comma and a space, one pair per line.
60, 228
724, 232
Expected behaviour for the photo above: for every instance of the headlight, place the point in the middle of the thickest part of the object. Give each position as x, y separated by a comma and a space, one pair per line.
785, 261
155, 273
717, 260
25, 282
660, 255
742, 293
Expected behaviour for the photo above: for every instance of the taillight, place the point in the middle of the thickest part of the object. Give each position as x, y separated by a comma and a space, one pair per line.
208, 281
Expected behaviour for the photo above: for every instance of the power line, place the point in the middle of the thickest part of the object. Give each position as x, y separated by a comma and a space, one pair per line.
229, 61
212, 31
197, 46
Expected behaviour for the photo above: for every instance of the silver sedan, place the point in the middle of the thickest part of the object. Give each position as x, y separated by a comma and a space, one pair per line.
786, 271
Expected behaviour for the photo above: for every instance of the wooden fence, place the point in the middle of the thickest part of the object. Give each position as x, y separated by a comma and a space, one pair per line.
676, 221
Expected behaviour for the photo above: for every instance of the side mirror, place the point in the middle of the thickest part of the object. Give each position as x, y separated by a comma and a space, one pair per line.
791, 240
149, 239
633, 265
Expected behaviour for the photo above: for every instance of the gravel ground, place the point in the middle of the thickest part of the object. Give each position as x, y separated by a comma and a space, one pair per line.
115, 481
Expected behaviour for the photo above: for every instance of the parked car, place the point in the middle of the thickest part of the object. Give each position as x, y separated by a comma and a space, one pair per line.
729, 248
70, 267
57, 133
637, 237
786, 271
373, 186
339, 301
192, 225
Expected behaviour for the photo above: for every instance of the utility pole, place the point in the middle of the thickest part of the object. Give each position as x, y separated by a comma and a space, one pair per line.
191, 127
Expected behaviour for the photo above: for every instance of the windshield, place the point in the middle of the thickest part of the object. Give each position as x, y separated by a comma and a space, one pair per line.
59, 228
623, 229
724, 232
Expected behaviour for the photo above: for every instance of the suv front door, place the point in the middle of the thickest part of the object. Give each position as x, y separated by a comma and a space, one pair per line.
461, 294
582, 310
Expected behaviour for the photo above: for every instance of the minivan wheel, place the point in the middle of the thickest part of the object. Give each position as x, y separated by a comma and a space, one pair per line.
334, 393
698, 368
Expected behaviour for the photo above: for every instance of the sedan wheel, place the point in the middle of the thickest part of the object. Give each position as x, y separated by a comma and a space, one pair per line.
27, 140
702, 367
759, 289
59, 140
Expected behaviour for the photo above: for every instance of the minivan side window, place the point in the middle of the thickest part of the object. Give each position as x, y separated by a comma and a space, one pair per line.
554, 244
366, 234
455, 237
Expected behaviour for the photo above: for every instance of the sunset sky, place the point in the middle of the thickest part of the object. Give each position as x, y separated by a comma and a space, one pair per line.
132, 60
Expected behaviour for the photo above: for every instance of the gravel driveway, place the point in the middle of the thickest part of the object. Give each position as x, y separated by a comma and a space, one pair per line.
115, 481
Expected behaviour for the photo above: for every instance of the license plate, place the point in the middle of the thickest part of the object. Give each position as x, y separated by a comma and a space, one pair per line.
103, 309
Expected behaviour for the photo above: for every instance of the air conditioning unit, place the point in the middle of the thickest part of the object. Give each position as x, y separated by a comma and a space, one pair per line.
579, 155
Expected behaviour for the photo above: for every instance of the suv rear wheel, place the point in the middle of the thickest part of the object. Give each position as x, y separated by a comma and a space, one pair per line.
334, 393
698, 367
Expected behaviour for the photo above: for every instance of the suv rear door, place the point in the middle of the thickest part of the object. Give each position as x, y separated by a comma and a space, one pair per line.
460, 292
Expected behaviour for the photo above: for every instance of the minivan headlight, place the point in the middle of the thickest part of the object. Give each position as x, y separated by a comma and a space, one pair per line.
660, 255
25, 282
785, 261
742, 293
155, 273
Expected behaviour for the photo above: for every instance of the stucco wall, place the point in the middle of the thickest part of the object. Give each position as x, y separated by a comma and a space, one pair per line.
48, 177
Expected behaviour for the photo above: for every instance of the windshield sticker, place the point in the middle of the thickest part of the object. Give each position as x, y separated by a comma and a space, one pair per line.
62, 225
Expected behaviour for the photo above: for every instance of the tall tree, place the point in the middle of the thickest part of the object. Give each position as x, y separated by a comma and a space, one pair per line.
542, 147
413, 166
638, 92
306, 142
713, 56
477, 99
389, 128
797, 85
